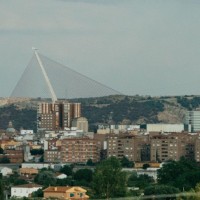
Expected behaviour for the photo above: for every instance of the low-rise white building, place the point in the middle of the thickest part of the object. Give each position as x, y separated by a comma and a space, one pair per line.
24, 190
149, 171
37, 165
24, 132
5, 171
61, 176
167, 128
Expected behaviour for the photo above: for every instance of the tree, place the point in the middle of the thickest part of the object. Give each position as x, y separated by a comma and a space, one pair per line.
1, 151
145, 166
184, 174
132, 179
126, 163
109, 180
90, 163
19, 181
194, 193
161, 190
38, 193
41, 158
66, 169
37, 151
140, 181
45, 178
83, 174
1, 189
4, 159
65, 181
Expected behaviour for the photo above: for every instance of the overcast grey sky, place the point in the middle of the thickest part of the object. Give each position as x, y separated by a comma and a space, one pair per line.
145, 47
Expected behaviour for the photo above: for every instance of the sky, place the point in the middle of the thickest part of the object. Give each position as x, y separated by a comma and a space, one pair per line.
145, 47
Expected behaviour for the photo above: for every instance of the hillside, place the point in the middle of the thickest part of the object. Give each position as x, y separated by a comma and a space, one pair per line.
111, 109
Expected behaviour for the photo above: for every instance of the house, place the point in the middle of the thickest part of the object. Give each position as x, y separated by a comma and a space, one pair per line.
61, 176
24, 190
28, 173
5, 171
68, 193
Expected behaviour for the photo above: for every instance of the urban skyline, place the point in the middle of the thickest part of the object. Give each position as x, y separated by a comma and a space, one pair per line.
108, 118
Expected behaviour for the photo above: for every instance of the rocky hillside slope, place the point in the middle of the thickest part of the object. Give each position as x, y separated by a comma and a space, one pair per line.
111, 109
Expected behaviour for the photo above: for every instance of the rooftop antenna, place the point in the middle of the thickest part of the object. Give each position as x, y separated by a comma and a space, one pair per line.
52, 93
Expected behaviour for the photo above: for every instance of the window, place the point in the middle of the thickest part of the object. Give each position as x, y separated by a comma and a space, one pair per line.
71, 194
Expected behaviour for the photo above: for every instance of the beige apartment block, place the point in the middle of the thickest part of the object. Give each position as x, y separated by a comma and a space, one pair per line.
52, 156
80, 150
134, 147
172, 146
154, 147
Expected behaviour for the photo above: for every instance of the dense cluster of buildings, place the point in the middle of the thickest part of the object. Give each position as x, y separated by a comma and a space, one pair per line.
64, 138
154, 146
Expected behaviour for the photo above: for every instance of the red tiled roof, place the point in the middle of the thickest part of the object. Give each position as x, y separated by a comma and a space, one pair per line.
64, 189
57, 189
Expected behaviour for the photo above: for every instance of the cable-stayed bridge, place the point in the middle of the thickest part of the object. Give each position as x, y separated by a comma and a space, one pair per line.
46, 78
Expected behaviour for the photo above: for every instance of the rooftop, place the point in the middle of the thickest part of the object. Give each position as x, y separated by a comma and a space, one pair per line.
64, 189
30, 185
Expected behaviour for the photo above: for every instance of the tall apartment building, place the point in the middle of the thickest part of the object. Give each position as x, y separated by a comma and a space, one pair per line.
193, 119
57, 116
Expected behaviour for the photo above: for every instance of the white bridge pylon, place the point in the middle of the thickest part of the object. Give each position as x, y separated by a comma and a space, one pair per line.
52, 93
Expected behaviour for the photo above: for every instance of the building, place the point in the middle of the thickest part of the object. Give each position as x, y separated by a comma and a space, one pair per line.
68, 193
80, 150
24, 132
133, 147
37, 165
10, 130
57, 116
61, 176
5, 171
81, 123
28, 173
24, 190
72, 150
154, 147
152, 172
197, 149
151, 164
166, 128
52, 156
119, 128
193, 119
172, 146
9, 144
14, 155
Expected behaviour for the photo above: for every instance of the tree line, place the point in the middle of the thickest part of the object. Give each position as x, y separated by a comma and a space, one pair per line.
108, 180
